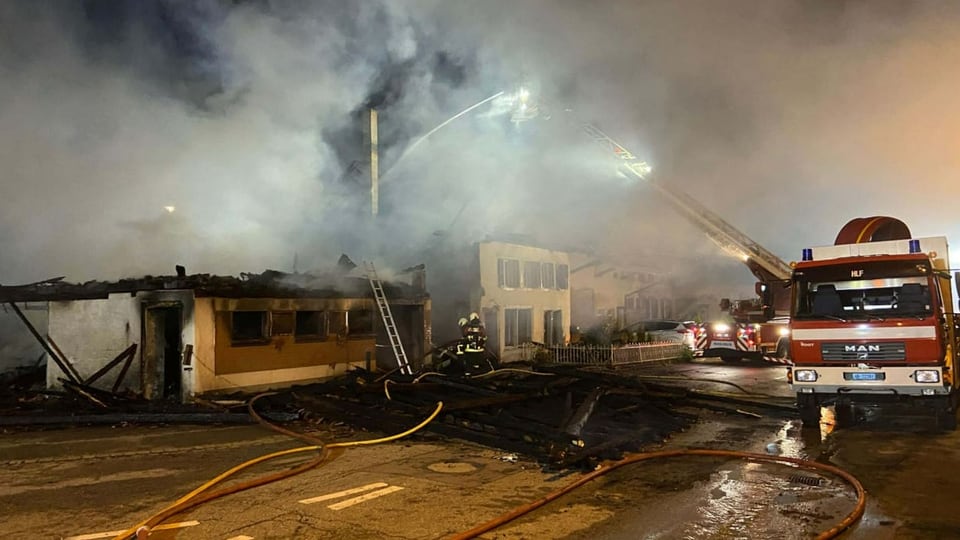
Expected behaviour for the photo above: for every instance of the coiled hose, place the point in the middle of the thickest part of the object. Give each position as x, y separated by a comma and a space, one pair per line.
199, 495
833, 532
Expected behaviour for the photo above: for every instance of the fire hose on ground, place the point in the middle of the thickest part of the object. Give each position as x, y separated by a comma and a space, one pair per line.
833, 532
201, 494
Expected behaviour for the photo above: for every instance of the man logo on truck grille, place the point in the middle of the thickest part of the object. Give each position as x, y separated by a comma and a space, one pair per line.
891, 351
861, 349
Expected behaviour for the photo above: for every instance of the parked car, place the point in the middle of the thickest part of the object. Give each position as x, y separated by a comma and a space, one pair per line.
665, 330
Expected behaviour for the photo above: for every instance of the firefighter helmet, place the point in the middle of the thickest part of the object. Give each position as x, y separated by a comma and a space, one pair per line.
462, 322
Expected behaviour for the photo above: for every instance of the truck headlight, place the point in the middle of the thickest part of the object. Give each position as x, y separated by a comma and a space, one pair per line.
804, 375
926, 376
784, 331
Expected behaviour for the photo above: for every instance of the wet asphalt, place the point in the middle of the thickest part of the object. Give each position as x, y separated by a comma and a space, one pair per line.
88, 481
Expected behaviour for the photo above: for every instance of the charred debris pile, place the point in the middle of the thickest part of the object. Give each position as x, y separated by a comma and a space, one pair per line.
559, 415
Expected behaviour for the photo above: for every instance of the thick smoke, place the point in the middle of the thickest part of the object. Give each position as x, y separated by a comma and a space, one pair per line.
788, 118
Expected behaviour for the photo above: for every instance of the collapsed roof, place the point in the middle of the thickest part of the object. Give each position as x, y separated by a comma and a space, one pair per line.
268, 284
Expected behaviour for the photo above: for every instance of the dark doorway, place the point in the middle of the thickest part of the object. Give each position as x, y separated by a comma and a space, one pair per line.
493, 330
553, 327
161, 373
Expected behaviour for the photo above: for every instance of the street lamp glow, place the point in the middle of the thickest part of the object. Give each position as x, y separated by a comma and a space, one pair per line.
170, 209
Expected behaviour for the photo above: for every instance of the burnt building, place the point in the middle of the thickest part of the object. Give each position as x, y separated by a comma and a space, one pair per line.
174, 337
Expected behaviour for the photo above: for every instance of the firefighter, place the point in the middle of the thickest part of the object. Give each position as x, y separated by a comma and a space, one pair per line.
472, 347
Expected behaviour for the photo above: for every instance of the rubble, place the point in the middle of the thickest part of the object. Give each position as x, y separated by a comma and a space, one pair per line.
561, 416
557, 415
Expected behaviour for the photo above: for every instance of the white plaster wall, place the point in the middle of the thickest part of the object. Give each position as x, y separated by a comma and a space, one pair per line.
90, 333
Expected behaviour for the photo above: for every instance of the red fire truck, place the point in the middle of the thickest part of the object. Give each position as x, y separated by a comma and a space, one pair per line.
746, 331
872, 322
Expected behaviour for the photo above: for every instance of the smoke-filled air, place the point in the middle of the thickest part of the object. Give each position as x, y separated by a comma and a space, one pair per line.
232, 136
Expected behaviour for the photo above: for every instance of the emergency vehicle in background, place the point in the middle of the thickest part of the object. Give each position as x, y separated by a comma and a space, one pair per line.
872, 322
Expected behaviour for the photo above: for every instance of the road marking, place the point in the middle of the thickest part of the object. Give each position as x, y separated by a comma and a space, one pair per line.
357, 500
344, 493
110, 534
241, 537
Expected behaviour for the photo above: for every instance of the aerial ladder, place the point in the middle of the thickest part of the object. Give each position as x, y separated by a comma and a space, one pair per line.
747, 339
771, 271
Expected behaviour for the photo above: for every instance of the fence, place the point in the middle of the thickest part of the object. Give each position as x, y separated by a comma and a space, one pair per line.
617, 356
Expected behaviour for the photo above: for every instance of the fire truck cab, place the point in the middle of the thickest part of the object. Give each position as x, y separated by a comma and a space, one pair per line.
873, 322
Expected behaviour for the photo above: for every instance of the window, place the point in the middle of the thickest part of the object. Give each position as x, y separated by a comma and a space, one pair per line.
531, 275
281, 323
549, 276
563, 276
337, 321
553, 327
248, 326
518, 326
360, 322
508, 273
311, 325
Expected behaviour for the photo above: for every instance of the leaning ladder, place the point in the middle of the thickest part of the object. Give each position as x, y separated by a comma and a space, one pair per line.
387, 317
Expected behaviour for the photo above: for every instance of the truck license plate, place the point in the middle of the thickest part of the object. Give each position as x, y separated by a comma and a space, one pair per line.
864, 376
722, 345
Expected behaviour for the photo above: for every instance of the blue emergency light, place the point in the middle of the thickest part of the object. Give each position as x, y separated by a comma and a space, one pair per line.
807, 254
915, 246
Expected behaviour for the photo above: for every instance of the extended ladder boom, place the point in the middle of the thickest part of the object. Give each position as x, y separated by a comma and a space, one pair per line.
761, 261
387, 317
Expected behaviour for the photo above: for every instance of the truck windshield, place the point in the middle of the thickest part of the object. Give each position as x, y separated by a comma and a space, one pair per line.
867, 290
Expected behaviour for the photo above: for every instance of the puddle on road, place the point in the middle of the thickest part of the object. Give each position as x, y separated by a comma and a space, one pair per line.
849, 449
452, 467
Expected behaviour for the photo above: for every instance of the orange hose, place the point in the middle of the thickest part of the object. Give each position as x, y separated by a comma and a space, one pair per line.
849, 520
202, 493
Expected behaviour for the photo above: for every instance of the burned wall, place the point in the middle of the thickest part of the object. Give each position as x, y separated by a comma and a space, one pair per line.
282, 355
92, 332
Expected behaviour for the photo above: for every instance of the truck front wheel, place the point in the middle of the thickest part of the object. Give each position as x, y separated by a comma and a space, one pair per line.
809, 408
947, 414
